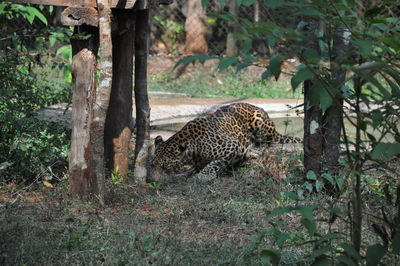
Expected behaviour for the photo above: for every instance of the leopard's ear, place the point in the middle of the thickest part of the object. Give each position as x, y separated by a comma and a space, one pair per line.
158, 140
182, 146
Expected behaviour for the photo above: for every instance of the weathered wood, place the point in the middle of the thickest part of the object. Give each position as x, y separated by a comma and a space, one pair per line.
119, 122
82, 183
141, 97
76, 16
102, 98
79, 3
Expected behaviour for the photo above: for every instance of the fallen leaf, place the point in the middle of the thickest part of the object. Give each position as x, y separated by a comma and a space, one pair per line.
47, 184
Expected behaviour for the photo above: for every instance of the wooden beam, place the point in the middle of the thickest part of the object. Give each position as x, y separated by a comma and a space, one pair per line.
124, 4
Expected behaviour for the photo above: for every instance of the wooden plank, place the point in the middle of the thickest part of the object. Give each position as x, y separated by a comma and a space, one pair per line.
78, 3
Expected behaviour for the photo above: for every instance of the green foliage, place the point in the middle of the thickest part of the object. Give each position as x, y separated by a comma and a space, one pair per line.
29, 146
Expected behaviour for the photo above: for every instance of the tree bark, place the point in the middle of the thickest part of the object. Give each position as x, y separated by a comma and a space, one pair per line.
82, 182
196, 29
119, 123
102, 98
231, 43
333, 116
313, 139
141, 163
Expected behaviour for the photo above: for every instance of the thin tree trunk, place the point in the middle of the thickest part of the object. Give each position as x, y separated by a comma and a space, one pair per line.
333, 116
102, 97
119, 122
196, 29
356, 197
231, 43
313, 140
141, 97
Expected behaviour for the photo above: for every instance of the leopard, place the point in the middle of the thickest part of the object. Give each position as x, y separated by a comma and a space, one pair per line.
209, 145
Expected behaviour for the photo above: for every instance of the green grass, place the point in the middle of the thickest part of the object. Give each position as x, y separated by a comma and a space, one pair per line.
179, 222
212, 83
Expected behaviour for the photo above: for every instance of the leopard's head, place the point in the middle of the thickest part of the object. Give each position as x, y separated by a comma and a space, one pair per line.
169, 158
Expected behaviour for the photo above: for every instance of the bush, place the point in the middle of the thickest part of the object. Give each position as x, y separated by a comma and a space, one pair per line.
29, 146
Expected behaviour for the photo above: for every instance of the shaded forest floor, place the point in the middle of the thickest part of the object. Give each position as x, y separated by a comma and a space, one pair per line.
178, 222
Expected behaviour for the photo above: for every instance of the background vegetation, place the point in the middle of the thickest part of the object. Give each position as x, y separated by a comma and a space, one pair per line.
248, 217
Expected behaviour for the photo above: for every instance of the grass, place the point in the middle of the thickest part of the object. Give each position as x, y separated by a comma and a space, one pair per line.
208, 82
178, 222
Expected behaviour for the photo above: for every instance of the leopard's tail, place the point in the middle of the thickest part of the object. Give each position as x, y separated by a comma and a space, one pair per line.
282, 139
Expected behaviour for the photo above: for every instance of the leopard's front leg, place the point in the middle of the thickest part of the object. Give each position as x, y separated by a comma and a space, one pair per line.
234, 152
212, 170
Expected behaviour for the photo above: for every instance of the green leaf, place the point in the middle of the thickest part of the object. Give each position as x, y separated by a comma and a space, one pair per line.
270, 256
322, 261
279, 211
310, 226
375, 253
396, 244
33, 13
281, 239
391, 42
204, 3
329, 177
275, 66
311, 55
274, 3
2, 6
52, 40
307, 212
346, 261
385, 150
350, 251
325, 98
289, 194
302, 74
242, 66
226, 62
319, 185
248, 2
364, 46
266, 74
222, 4
311, 175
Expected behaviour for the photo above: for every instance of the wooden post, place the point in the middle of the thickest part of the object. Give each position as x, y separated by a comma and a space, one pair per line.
119, 122
102, 98
141, 97
82, 183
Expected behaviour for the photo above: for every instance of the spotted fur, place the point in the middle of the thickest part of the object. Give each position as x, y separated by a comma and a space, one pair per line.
210, 144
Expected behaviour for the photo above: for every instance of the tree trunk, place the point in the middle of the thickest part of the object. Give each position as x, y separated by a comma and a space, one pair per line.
196, 29
82, 182
333, 116
313, 139
119, 123
231, 43
102, 98
141, 163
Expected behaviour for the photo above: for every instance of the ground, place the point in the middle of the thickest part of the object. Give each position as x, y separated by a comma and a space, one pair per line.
175, 223
179, 222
